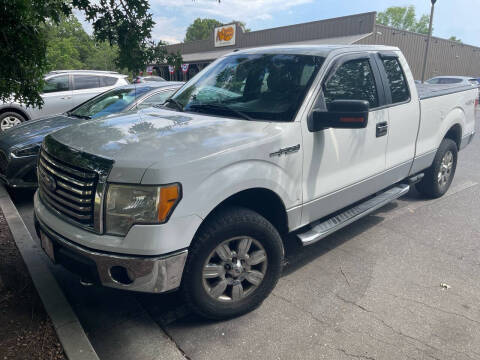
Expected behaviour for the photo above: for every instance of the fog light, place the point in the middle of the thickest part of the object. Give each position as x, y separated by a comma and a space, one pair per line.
121, 275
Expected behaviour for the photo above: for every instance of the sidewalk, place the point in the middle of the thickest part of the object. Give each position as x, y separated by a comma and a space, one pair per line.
26, 332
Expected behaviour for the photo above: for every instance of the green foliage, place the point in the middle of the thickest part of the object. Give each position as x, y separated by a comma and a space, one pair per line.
201, 29
23, 44
404, 18
454, 38
70, 47
126, 23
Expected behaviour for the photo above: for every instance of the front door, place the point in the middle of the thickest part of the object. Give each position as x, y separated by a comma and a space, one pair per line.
342, 166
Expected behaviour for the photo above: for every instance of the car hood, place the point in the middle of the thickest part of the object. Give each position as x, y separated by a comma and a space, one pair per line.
167, 138
33, 132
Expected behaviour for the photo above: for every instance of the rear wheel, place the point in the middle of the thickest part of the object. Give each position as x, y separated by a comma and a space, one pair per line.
440, 175
233, 264
9, 120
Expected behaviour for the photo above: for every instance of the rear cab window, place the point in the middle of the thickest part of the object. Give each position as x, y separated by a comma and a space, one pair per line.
397, 82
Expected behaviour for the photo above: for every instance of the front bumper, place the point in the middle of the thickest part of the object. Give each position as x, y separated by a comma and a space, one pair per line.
152, 274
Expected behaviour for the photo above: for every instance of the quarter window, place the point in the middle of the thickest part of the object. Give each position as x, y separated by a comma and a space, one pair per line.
157, 99
86, 82
109, 80
396, 79
353, 80
56, 84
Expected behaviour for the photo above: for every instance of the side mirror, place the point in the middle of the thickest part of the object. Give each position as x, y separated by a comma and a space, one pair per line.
341, 114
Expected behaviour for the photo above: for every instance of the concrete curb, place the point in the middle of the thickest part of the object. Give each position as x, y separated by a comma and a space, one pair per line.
69, 330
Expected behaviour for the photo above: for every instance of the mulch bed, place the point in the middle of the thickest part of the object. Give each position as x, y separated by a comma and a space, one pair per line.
26, 331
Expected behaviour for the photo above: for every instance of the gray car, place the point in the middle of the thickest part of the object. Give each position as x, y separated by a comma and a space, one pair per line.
454, 80
63, 90
19, 146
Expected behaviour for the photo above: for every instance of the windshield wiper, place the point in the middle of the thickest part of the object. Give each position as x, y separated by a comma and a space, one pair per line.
69, 113
177, 104
221, 107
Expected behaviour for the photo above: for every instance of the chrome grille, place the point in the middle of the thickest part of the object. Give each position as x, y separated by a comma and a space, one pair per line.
68, 189
3, 162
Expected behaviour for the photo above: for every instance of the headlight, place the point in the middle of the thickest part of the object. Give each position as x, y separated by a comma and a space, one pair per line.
137, 204
27, 150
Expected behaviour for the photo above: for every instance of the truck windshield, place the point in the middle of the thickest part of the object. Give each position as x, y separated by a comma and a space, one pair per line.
251, 86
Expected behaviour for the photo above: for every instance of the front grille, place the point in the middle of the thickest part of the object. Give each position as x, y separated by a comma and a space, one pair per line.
68, 189
3, 163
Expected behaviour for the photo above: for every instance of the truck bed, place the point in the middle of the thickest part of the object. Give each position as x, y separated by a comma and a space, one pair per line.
426, 91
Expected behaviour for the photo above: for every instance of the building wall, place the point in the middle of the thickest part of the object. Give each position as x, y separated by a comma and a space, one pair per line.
323, 29
445, 57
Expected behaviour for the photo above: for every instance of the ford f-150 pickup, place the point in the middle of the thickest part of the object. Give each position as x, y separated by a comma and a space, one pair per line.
200, 194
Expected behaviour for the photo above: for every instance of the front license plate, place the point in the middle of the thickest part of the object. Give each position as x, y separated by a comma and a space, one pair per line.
47, 246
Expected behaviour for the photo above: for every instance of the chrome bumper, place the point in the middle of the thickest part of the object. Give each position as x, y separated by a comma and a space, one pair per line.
140, 273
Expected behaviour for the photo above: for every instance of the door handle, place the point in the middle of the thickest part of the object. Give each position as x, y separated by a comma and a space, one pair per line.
382, 129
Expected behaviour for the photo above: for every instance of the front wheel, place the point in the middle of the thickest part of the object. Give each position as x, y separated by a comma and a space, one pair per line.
9, 120
440, 175
233, 264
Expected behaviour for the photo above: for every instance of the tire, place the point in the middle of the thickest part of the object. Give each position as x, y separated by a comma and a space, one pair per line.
10, 119
238, 271
439, 176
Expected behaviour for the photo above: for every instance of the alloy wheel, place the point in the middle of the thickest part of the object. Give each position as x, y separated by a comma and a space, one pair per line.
234, 269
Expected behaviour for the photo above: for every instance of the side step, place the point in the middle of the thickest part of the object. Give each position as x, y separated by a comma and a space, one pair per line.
321, 229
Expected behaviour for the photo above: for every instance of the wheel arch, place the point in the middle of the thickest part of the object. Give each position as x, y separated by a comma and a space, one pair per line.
455, 134
15, 109
261, 200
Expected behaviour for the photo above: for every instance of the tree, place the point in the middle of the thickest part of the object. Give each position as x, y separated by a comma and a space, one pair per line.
404, 18
23, 39
454, 38
201, 29
70, 47
126, 23
23, 45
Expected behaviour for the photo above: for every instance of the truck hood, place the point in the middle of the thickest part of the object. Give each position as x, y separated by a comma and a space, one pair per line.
32, 132
167, 138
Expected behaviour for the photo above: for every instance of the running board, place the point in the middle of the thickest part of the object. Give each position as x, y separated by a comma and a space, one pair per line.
321, 229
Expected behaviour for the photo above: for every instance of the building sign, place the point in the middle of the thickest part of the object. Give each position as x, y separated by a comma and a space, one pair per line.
225, 35
185, 68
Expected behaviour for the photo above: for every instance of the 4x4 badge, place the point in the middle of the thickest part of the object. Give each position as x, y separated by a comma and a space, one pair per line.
286, 151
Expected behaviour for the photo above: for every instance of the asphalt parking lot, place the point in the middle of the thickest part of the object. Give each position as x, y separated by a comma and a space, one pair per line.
370, 291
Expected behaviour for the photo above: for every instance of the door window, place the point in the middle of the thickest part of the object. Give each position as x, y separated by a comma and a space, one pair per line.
86, 82
353, 80
396, 78
56, 84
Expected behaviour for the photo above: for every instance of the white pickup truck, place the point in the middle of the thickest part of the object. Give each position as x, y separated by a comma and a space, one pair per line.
199, 194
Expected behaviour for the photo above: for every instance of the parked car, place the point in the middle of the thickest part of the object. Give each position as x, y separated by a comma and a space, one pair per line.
63, 90
459, 80
202, 194
149, 78
20, 145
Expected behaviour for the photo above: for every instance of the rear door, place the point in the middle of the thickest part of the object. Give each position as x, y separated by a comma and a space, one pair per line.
85, 87
56, 95
403, 111
342, 166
